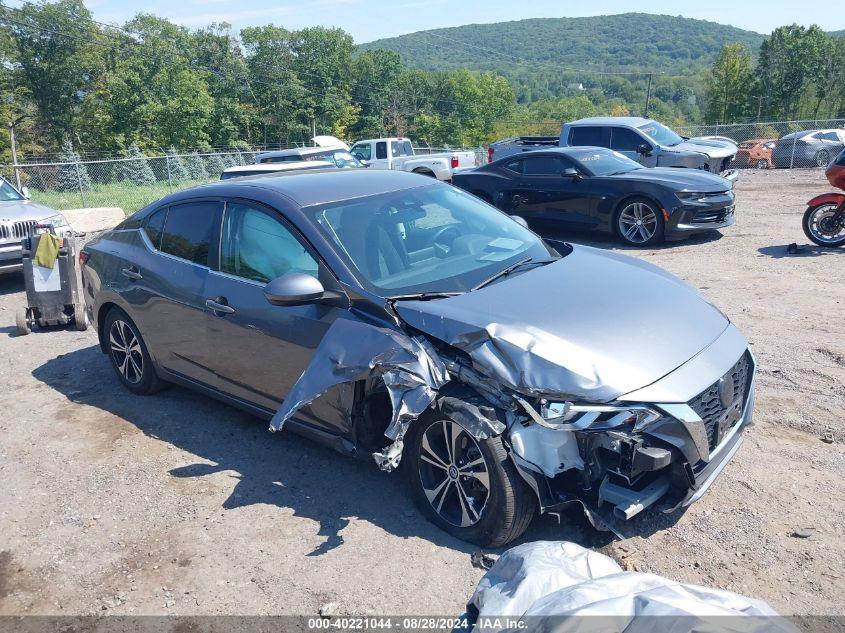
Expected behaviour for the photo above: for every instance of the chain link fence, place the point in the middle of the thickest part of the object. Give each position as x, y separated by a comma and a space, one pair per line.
779, 144
129, 183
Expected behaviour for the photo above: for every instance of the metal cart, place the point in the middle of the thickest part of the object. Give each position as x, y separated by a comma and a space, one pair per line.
54, 298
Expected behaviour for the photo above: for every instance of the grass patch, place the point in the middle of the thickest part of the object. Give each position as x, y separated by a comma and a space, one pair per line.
126, 195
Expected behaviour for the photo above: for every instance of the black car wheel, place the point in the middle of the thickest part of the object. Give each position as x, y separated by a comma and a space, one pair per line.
470, 488
639, 222
128, 354
823, 158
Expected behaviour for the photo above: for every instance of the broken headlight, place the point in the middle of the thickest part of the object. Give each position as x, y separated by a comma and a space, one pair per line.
569, 415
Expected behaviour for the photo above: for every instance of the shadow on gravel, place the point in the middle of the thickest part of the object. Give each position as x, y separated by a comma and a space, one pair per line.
283, 469
610, 242
10, 283
804, 250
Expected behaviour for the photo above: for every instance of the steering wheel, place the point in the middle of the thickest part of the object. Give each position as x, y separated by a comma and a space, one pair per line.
437, 239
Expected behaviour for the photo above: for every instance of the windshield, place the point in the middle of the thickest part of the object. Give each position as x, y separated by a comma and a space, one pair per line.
8, 192
345, 160
598, 162
430, 239
660, 134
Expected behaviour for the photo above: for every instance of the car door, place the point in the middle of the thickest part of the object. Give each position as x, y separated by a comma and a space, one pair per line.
167, 286
628, 142
545, 194
257, 351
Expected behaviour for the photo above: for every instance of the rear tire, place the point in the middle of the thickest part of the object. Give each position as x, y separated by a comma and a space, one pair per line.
762, 164
80, 317
823, 158
128, 354
483, 499
22, 321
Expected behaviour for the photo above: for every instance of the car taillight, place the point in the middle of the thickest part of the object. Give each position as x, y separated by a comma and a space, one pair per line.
83, 258
454, 162
489, 154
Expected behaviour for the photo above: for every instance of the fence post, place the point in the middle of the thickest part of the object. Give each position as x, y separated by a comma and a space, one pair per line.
79, 181
792, 156
169, 177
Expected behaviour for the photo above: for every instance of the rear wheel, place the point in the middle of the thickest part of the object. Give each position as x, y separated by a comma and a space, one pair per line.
822, 158
468, 487
23, 321
639, 223
762, 164
128, 354
824, 226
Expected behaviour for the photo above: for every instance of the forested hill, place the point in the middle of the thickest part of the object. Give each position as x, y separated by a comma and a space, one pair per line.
531, 51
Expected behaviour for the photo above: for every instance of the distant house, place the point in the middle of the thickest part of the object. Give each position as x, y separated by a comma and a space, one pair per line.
575, 86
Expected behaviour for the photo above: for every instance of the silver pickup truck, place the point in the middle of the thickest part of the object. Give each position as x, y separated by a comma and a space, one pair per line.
648, 142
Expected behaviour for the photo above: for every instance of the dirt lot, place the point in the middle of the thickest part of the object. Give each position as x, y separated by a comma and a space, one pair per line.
111, 503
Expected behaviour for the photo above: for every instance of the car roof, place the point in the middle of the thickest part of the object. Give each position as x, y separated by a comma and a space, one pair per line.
274, 167
630, 121
320, 186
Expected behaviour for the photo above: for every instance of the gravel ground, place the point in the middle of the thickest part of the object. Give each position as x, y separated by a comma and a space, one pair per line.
112, 503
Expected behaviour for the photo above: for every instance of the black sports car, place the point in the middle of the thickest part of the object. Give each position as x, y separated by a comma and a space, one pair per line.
597, 188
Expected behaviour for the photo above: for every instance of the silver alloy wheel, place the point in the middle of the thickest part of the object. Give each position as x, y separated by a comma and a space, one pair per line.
126, 351
821, 224
762, 164
638, 222
453, 473
822, 158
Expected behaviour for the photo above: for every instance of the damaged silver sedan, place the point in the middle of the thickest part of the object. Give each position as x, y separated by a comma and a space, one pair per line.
397, 318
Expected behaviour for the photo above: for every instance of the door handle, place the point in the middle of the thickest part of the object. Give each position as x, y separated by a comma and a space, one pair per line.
219, 306
131, 273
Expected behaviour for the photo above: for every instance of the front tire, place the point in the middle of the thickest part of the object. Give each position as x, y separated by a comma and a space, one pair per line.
819, 225
467, 487
638, 222
128, 354
762, 164
23, 321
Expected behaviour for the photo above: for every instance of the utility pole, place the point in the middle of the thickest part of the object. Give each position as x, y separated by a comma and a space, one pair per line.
11, 125
647, 97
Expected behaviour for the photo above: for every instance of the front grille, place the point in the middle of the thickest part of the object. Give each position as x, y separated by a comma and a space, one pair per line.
21, 230
4, 232
711, 217
708, 404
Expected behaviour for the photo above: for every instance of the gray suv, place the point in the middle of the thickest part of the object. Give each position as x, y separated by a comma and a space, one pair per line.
650, 143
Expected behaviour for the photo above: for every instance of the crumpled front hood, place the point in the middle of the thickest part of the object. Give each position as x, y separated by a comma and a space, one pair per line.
19, 210
591, 327
713, 148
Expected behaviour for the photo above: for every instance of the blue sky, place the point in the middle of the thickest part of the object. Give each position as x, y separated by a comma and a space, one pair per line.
372, 19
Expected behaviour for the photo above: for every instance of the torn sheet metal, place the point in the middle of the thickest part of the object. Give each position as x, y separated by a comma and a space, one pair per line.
352, 350
540, 582
555, 330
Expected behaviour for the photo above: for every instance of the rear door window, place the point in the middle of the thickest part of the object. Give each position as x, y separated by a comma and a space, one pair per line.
190, 229
381, 150
623, 139
154, 226
589, 136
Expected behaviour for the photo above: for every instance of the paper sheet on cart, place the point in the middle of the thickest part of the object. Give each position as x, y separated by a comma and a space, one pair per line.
46, 279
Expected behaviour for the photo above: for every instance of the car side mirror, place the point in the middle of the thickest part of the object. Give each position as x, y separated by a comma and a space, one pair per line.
25, 193
520, 220
294, 289
644, 149
571, 172
364, 163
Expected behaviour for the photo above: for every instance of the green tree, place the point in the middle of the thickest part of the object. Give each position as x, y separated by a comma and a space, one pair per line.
729, 85
72, 173
178, 171
196, 167
136, 168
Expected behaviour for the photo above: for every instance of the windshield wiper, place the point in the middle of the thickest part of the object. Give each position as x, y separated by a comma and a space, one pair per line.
507, 271
423, 296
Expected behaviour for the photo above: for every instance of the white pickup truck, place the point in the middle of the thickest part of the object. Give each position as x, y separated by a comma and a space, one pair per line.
398, 154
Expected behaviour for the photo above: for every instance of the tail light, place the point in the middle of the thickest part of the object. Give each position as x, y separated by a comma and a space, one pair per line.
83, 258
454, 161
489, 154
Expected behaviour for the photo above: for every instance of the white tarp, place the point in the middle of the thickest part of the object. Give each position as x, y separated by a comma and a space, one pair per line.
536, 583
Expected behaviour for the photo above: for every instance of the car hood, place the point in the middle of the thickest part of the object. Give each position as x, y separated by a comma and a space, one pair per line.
592, 326
678, 179
17, 210
713, 148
